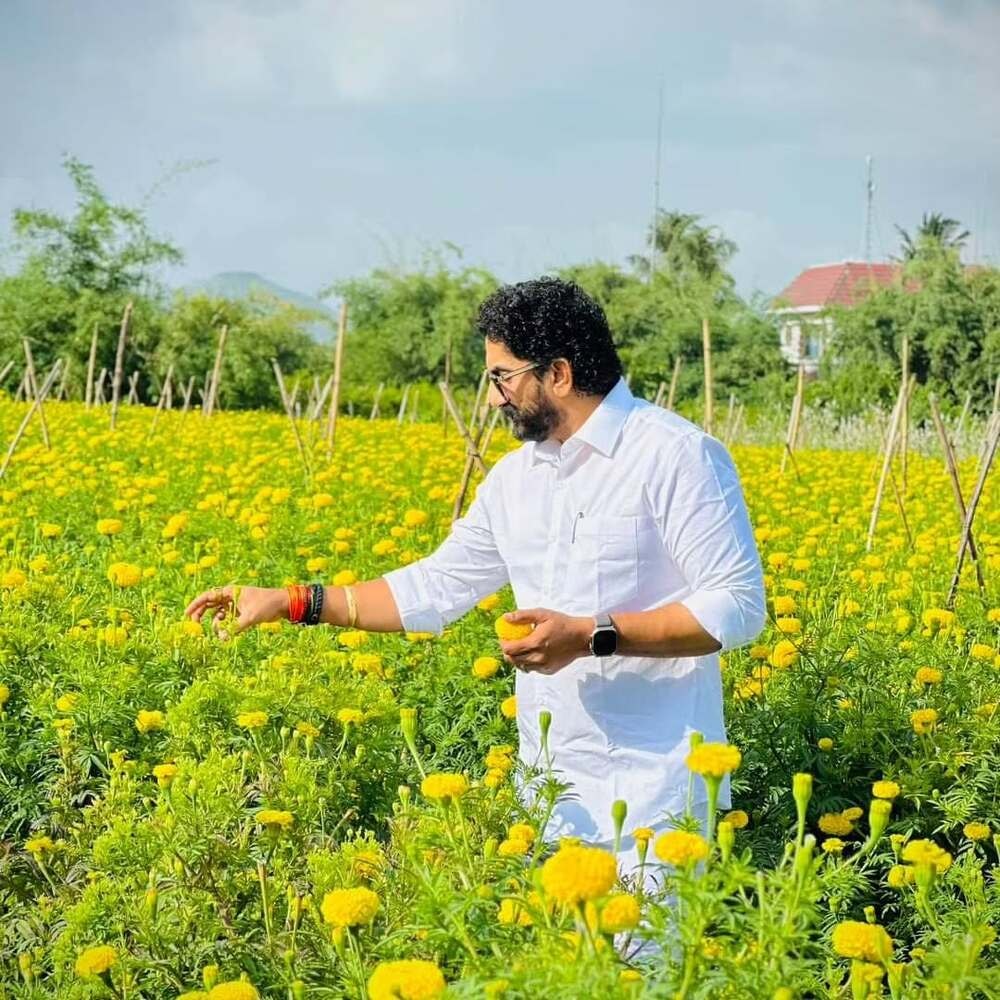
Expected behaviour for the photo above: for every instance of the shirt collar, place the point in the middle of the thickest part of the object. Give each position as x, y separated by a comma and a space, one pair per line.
600, 430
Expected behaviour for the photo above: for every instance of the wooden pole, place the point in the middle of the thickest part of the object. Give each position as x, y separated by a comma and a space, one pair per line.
36, 402
91, 360
905, 419
661, 390
672, 395
706, 348
99, 387
133, 388
213, 385
956, 485
890, 447
471, 456
378, 396
116, 384
188, 392
338, 362
32, 385
162, 401
63, 379
970, 514
402, 404
415, 404
791, 434
457, 417
287, 403
478, 401
6, 371
317, 410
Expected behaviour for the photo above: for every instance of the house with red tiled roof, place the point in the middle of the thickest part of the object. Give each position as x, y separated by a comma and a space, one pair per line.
802, 307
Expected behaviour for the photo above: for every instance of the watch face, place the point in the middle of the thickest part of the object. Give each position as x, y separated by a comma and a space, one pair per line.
604, 641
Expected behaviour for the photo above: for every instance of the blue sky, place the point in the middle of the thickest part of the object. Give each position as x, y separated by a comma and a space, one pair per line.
349, 134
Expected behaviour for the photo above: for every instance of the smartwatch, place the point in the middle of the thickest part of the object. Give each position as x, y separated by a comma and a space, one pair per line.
604, 638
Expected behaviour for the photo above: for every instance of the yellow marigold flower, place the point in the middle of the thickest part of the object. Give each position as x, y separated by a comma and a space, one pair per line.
923, 720
349, 907
307, 729
39, 846
444, 785
109, 526
234, 989
630, 976
680, 848
885, 789
50, 530
522, 831
577, 873
619, 913
899, 876
928, 675
414, 518
148, 720
344, 578
317, 564
408, 979
123, 574
865, 942
643, 834
484, 667
825, 743
926, 852
251, 720
508, 707
350, 716
784, 604
275, 819
164, 774
513, 847
788, 626
976, 831
784, 654
13, 578
737, 818
368, 663
96, 961
980, 651
937, 618
713, 760
489, 603
508, 630
68, 701
835, 824
4, 695
352, 638
851, 813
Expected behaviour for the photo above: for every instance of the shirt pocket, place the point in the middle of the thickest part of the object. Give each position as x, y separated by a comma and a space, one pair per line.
610, 544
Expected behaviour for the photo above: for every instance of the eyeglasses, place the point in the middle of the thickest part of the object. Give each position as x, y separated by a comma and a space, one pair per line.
498, 378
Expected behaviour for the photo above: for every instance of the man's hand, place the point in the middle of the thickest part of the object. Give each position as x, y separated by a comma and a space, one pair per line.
557, 640
251, 605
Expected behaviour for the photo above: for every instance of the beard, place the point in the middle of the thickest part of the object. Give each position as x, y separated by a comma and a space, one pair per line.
535, 422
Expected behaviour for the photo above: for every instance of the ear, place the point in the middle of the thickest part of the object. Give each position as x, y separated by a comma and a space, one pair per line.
562, 377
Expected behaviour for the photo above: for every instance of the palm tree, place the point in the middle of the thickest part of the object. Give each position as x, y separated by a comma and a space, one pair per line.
684, 248
935, 229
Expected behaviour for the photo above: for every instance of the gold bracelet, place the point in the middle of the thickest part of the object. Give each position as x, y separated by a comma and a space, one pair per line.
352, 608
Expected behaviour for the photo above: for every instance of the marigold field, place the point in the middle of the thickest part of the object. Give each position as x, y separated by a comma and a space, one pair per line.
328, 813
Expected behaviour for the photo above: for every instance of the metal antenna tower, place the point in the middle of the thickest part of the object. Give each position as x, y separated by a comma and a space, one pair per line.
869, 203
656, 182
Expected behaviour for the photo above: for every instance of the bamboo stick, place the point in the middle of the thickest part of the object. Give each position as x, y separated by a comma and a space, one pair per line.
317, 410
471, 455
706, 350
287, 403
470, 444
904, 429
61, 391
791, 433
402, 404
660, 392
378, 396
161, 402
956, 484
116, 383
970, 514
188, 392
672, 395
890, 447
36, 402
31, 383
99, 387
338, 362
213, 386
91, 360
6, 371
415, 404
133, 388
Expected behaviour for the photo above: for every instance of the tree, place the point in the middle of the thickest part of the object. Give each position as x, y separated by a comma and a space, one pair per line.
935, 230
686, 250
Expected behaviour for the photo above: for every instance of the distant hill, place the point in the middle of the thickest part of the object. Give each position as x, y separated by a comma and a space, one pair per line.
239, 285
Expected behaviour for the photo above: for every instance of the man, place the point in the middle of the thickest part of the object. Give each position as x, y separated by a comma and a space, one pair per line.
623, 531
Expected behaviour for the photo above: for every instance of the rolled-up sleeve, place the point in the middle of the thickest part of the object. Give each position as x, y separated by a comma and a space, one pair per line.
708, 534
466, 567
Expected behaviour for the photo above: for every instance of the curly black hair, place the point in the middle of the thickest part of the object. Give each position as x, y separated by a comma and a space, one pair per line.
549, 318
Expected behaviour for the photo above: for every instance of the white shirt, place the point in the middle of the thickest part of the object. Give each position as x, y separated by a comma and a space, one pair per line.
637, 509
